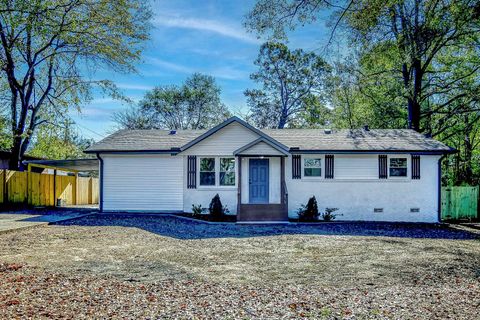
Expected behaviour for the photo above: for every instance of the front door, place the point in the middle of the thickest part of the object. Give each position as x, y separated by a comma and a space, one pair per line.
258, 180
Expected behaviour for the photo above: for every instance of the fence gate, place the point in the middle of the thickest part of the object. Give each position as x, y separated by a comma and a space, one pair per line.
459, 203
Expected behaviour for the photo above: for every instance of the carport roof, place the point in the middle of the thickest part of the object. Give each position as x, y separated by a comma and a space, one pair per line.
67, 165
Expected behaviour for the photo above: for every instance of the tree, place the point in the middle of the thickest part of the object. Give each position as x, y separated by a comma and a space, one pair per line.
420, 33
59, 142
133, 118
360, 96
48, 46
315, 115
415, 33
349, 110
5, 139
195, 104
417, 66
288, 79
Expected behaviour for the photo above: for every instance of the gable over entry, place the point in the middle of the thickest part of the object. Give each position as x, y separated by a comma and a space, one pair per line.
261, 147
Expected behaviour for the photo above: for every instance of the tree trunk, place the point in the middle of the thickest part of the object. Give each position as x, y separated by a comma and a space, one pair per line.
413, 114
467, 161
414, 91
16, 154
458, 174
417, 92
283, 121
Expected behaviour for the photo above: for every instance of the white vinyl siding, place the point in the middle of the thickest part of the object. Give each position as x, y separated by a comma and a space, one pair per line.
224, 142
262, 149
142, 183
356, 166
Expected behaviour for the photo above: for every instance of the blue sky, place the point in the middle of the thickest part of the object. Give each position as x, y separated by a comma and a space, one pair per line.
192, 36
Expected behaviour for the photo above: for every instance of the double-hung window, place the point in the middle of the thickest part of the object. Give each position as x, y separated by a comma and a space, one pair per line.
216, 171
227, 171
207, 171
398, 167
312, 167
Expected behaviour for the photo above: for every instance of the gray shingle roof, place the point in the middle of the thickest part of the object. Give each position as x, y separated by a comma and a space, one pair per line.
304, 139
357, 140
145, 140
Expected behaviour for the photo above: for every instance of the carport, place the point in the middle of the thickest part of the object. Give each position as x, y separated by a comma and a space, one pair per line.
69, 165
64, 183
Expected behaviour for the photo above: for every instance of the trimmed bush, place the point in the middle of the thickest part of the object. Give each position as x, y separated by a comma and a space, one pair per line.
309, 212
216, 209
329, 215
197, 209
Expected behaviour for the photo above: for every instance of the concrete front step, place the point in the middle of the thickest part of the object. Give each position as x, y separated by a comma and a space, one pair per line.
262, 212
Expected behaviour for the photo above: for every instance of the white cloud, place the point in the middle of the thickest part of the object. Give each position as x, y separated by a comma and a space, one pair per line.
214, 26
168, 65
225, 72
91, 111
229, 73
102, 101
128, 86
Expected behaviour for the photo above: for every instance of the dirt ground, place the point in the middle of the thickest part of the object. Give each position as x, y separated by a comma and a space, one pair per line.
169, 268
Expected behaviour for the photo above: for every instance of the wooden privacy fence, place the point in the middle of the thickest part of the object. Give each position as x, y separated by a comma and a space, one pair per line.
43, 189
459, 203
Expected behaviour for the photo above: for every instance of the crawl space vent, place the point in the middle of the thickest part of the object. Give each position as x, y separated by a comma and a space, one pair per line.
378, 210
414, 209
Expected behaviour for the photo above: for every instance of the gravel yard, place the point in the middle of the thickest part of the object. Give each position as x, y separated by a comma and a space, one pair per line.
169, 267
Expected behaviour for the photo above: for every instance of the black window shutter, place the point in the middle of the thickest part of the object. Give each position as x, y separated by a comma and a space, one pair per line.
382, 166
296, 166
415, 167
192, 172
329, 166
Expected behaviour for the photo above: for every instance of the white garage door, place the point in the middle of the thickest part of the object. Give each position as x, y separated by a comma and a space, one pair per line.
142, 183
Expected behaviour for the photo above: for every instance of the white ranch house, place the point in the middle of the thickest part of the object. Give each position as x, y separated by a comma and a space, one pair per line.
265, 175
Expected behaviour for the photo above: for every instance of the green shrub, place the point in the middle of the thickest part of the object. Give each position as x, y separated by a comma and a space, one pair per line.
216, 209
309, 212
198, 210
329, 215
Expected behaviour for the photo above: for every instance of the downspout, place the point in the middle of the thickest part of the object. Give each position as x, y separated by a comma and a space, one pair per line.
440, 187
100, 201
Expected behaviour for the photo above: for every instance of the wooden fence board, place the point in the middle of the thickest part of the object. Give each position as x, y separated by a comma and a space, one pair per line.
52, 195
460, 202
95, 190
84, 194
65, 189
2, 185
16, 187
37, 189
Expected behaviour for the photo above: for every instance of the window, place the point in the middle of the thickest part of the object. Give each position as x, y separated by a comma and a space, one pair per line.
312, 167
398, 167
207, 171
227, 171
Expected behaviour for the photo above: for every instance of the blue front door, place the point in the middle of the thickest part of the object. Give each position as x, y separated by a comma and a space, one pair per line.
258, 180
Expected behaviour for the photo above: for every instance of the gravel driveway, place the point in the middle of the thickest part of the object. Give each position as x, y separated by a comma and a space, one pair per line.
169, 267
186, 228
